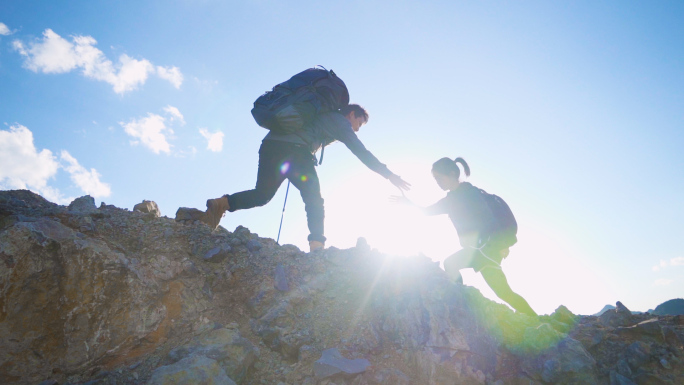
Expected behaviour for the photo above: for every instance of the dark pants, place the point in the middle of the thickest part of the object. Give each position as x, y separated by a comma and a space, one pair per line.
279, 161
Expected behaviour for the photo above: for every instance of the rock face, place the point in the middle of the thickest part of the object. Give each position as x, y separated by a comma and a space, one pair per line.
108, 296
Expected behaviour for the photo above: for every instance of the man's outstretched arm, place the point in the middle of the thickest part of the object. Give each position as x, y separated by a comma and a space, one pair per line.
349, 138
400, 183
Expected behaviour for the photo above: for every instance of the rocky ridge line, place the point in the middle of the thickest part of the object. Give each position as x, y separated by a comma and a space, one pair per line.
108, 296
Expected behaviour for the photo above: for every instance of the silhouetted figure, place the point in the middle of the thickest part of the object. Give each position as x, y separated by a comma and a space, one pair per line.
486, 230
291, 156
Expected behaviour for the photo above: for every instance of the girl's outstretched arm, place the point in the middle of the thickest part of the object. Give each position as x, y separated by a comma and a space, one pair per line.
441, 207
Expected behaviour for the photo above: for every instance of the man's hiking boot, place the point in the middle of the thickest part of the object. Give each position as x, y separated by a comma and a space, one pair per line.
315, 245
215, 210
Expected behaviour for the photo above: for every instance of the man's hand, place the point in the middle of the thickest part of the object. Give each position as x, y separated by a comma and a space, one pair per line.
400, 183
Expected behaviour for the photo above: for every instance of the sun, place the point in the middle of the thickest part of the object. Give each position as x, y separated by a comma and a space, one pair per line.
353, 212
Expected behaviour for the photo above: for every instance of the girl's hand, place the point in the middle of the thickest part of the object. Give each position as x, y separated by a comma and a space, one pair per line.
396, 199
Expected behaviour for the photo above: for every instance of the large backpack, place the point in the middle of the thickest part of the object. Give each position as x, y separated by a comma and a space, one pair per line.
506, 226
290, 105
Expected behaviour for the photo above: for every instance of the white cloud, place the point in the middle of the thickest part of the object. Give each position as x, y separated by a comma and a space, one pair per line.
214, 141
660, 265
172, 74
4, 30
22, 166
191, 151
151, 131
54, 54
131, 73
175, 114
678, 261
19, 47
662, 282
88, 181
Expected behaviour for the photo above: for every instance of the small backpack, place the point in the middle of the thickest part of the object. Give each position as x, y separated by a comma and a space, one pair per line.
506, 227
290, 105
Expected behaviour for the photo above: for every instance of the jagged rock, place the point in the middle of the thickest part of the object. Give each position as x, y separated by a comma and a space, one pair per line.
673, 340
623, 368
541, 337
620, 316
665, 364
619, 379
332, 363
77, 300
189, 215
281, 278
148, 207
387, 377
76, 312
637, 354
649, 327
193, 370
218, 253
567, 363
253, 245
362, 244
564, 315
235, 354
84, 204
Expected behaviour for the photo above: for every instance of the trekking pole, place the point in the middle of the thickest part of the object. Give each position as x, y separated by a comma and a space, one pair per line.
283, 214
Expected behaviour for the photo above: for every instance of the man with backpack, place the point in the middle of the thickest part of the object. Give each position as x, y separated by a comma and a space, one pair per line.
304, 114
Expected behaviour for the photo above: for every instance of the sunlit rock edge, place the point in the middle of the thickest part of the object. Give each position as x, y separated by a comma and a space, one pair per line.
103, 295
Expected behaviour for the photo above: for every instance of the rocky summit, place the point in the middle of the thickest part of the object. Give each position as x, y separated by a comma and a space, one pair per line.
104, 295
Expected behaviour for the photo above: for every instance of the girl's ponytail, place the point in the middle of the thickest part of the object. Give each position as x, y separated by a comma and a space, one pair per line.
463, 163
447, 166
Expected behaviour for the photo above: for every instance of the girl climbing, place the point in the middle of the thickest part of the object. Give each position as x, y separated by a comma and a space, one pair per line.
486, 229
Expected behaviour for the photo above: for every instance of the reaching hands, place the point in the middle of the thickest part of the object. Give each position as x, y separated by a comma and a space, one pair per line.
400, 183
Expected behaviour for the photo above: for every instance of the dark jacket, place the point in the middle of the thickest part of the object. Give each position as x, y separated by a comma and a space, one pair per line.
469, 212
327, 128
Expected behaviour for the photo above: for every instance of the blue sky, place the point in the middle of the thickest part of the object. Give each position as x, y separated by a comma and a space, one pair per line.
573, 112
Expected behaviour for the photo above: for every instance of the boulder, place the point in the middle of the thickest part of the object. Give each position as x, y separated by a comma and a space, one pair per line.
620, 316
148, 207
189, 215
84, 204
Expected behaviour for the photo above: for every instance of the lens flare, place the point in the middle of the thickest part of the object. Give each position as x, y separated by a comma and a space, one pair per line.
284, 167
304, 178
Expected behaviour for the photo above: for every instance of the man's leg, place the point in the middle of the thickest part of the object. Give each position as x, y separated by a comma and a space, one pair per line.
496, 279
271, 174
303, 176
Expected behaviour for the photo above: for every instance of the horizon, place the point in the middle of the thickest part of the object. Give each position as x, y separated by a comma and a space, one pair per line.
572, 113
